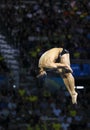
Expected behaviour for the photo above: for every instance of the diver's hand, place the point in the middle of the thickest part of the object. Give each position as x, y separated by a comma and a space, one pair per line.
41, 74
67, 67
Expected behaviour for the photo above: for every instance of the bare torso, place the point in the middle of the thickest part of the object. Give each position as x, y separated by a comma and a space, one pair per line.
49, 57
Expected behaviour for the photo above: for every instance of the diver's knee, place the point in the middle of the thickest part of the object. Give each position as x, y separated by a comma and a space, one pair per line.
66, 75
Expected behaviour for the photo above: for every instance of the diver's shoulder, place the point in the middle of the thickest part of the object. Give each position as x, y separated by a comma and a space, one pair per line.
55, 49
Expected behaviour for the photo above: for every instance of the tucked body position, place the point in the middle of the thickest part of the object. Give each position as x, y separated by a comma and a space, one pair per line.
58, 59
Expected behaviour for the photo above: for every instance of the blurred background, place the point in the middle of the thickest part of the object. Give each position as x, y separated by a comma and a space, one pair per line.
27, 29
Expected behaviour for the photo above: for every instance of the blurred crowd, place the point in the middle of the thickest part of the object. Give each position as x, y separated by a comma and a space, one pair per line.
39, 25
28, 109
34, 26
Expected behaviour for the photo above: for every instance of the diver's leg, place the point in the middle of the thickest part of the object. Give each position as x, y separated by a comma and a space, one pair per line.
69, 79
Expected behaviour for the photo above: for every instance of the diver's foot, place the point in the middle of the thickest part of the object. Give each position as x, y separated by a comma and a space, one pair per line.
74, 98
